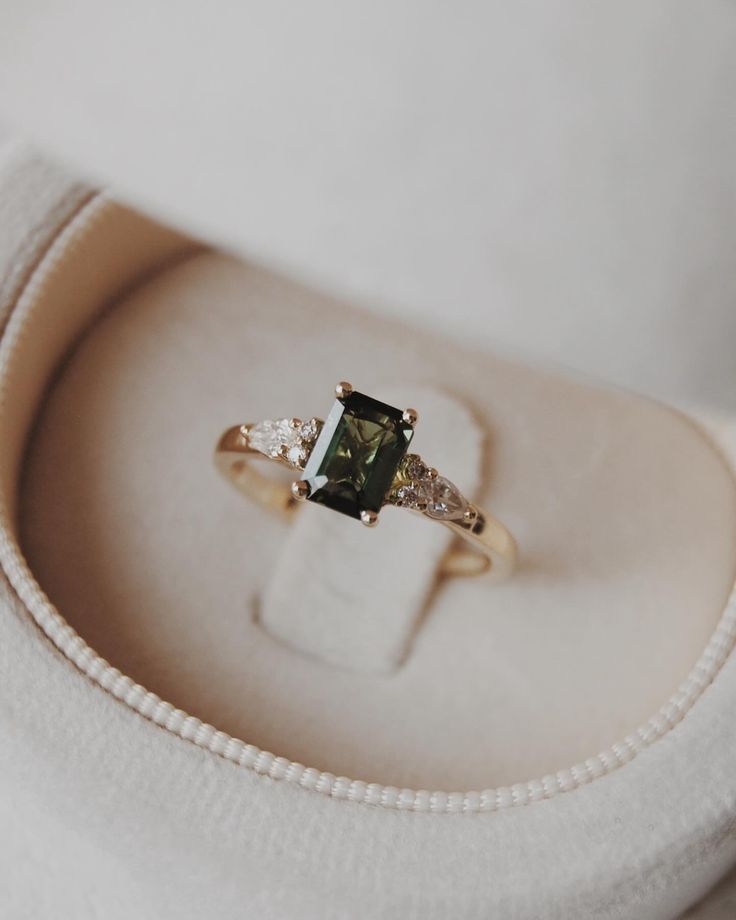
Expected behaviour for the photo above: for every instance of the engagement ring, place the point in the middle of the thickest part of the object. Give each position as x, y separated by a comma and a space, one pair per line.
357, 461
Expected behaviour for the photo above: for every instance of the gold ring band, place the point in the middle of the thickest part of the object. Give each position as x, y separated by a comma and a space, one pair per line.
356, 462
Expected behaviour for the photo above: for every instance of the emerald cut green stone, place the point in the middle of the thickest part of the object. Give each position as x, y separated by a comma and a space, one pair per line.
353, 464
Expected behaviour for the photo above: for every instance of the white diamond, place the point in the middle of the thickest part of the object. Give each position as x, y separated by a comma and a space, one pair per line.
409, 495
269, 436
416, 469
263, 437
445, 500
296, 455
308, 430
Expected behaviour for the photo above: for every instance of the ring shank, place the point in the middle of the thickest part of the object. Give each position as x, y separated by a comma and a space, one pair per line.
491, 547
232, 458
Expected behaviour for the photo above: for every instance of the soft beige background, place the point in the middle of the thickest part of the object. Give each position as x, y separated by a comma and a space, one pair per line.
619, 588
201, 824
553, 177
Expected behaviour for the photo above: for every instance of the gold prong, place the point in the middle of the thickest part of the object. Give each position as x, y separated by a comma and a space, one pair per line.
369, 518
469, 515
296, 423
283, 452
300, 490
410, 416
245, 431
432, 473
343, 389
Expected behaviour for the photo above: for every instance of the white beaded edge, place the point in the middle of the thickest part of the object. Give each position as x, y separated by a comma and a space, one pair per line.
190, 728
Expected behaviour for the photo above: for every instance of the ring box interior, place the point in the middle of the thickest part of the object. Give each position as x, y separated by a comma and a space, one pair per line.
143, 346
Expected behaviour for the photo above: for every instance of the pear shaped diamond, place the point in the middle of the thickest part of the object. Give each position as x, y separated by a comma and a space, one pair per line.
269, 436
284, 437
444, 500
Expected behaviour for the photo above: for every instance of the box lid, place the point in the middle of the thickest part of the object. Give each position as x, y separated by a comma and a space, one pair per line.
540, 176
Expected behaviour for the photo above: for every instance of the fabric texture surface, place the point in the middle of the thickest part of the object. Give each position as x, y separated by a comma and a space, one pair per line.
129, 427
336, 619
148, 824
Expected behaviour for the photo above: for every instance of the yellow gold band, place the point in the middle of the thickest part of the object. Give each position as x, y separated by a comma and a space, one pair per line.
491, 546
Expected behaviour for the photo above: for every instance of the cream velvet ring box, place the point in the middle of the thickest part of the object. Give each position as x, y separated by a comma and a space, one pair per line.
557, 746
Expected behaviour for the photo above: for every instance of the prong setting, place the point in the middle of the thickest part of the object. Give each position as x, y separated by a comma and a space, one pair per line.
300, 490
411, 417
470, 515
369, 518
343, 389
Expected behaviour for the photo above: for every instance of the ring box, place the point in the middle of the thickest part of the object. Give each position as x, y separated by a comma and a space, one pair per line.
328, 805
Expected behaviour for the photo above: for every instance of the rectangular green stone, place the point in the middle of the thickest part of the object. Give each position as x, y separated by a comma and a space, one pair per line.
353, 464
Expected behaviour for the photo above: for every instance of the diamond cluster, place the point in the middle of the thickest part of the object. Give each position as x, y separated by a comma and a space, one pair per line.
422, 489
287, 438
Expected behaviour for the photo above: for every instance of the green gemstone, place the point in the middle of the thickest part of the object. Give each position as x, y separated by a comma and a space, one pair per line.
353, 464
